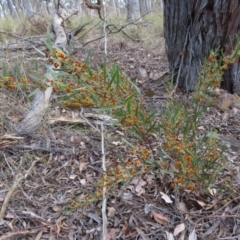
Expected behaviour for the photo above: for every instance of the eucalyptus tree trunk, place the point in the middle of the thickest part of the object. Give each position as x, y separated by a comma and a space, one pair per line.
40, 6
12, 9
133, 10
50, 6
3, 12
191, 29
114, 6
145, 6
161, 4
78, 6
28, 8
118, 6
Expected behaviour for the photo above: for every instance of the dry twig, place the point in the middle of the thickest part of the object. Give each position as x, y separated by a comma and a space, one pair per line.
18, 179
104, 203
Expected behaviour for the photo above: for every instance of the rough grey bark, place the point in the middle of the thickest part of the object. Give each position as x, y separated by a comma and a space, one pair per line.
191, 29
133, 10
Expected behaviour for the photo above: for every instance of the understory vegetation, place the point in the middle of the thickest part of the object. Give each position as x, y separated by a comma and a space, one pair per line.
173, 148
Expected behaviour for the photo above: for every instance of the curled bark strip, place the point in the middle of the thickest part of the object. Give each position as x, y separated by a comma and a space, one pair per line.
36, 113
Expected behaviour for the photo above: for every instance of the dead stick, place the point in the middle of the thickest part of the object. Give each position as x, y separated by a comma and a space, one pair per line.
17, 180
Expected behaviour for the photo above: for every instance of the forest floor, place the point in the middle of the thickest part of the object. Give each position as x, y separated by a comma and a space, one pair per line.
61, 161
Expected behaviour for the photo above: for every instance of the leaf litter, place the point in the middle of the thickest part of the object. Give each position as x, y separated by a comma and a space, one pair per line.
144, 208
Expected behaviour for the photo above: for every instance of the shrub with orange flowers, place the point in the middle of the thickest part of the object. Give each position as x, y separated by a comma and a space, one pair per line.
197, 158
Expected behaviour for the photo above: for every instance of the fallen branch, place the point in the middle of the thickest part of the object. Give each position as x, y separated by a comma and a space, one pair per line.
17, 181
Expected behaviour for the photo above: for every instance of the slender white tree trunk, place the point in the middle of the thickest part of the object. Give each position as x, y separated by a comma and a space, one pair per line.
12, 9
114, 6
145, 6
3, 13
118, 6
161, 4
28, 8
78, 6
133, 10
149, 5
39, 6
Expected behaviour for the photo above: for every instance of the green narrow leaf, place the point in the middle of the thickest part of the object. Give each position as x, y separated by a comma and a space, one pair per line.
152, 115
47, 41
34, 78
56, 74
34, 92
137, 110
111, 81
95, 98
48, 45
151, 127
237, 48
135, 133
117, 75
109, 108
89, 71
5, 71
129, 106
48, 35
105, 69
36, 65
129, 144
17, 70
88, 56
134, 85
42, 53
130, 97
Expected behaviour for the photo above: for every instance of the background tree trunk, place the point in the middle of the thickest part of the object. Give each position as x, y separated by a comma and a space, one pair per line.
145, 6
161, 4
28, 8
191, 29
133, 10
12, 9
78, 6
